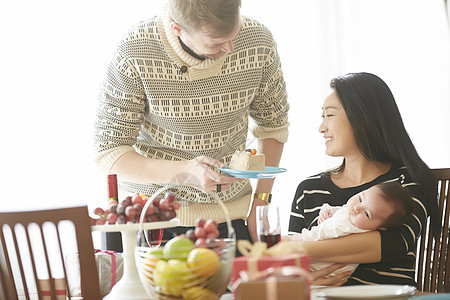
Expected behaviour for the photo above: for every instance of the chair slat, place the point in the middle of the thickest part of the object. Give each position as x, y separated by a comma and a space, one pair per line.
433, 253
79, 217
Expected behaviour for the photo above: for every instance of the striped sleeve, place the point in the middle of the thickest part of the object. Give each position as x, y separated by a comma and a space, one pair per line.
306, 205
403, 239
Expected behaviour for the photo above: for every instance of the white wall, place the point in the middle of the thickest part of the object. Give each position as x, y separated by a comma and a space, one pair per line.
54, 55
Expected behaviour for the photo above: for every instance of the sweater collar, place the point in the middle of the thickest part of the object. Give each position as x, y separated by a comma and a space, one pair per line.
197, 69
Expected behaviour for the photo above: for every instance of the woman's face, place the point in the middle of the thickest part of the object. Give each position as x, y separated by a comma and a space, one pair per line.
336, 128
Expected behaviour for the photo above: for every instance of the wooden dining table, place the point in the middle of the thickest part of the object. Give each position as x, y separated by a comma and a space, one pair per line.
226, 296
229, 296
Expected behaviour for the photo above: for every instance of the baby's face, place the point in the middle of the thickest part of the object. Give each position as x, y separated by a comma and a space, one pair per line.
369, 209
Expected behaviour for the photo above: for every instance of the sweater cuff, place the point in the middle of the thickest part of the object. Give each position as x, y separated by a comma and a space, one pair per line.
106, 159
278, 133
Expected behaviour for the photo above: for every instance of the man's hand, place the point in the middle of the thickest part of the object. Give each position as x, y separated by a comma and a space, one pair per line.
200, 174
251, 220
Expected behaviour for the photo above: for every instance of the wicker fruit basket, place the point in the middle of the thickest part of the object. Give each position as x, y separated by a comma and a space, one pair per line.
177, 269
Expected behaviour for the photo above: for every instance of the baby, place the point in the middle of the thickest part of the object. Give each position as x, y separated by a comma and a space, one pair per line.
382, 206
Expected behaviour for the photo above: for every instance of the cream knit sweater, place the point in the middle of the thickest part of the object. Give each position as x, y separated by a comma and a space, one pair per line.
148, 105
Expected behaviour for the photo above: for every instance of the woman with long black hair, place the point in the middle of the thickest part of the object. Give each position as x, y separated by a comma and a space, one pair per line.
362, 124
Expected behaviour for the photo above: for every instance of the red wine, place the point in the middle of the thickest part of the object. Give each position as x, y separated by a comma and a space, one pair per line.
270, 239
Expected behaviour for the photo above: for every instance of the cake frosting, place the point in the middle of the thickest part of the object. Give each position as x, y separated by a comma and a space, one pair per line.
247, 161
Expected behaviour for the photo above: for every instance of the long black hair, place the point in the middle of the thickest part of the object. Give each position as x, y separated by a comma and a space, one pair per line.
380, 133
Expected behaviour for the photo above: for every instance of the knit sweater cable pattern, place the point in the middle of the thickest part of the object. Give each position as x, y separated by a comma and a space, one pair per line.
149, 106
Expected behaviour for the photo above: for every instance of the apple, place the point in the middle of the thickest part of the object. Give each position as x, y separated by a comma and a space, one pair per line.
178, 248
151, 259
173, 276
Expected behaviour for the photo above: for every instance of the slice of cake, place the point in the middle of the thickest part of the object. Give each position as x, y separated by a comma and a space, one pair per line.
247, 160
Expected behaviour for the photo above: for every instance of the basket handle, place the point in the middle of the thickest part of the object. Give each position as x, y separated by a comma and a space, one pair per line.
231, 233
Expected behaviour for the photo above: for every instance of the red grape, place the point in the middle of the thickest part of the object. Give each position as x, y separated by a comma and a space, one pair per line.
165, 215
122, 219
112, 218
154, 218
138, 208
210, 226
200, 222
164, 204
98, 211
200, 232
150, 209
137, 199
113, 208
112, 202
156, 201
170, 197
130, 212
212, 235
100, 221
191, 235
126, 202
121, 209
175, 205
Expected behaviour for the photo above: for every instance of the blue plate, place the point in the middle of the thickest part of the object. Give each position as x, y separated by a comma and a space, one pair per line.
269, 172
432, 297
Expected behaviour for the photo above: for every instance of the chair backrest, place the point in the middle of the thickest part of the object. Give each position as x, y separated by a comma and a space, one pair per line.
433, 261
31, 252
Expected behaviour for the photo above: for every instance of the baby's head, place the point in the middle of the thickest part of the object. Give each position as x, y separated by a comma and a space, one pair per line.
382, 206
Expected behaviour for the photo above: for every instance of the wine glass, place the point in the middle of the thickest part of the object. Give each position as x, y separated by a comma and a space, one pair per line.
268, 224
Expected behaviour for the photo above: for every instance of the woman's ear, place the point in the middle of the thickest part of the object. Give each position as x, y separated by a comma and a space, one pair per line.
175, 28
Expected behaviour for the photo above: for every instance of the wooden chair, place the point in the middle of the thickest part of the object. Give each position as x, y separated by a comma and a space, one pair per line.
433, 261
31, 245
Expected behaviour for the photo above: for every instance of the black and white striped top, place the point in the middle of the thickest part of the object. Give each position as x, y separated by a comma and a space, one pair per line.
397, 244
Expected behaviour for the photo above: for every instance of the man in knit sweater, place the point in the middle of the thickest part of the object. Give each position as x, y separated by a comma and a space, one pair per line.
176, 102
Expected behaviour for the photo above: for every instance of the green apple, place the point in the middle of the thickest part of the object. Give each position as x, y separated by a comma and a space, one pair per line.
178, 248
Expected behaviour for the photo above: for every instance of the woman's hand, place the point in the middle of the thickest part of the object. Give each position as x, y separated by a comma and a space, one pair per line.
321, 277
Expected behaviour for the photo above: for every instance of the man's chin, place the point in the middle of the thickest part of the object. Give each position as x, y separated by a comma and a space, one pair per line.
214, 56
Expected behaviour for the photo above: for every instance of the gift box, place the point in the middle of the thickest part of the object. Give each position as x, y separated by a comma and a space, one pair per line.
46, 290
109, 266
255, 264
274, 288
